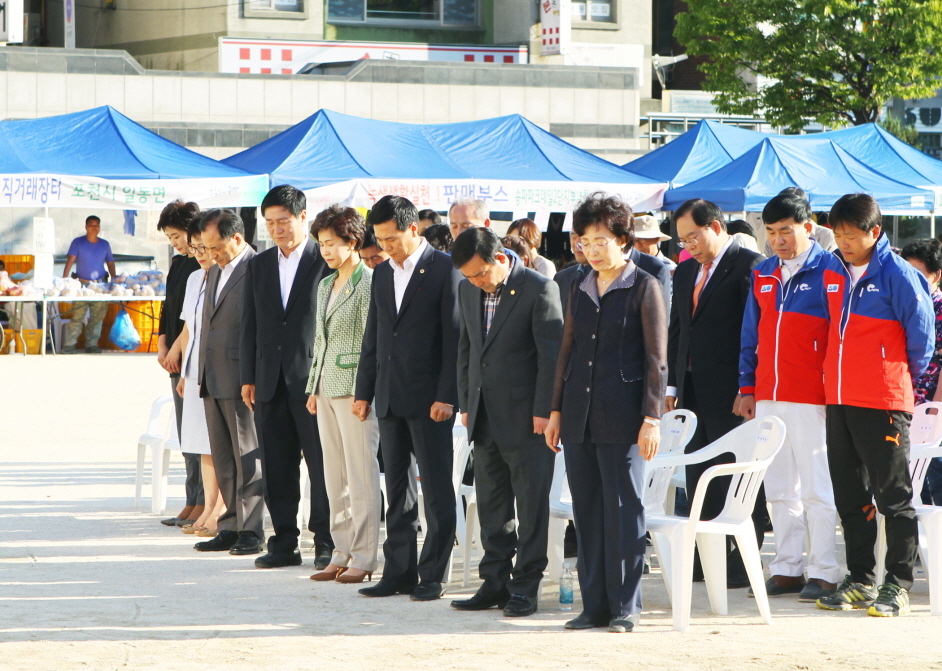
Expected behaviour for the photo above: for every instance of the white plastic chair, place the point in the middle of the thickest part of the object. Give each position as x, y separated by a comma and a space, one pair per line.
925, 438
468, 526
160, 426
754, 445
560, 515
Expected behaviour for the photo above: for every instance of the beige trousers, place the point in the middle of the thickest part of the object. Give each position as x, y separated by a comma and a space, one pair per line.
351, 476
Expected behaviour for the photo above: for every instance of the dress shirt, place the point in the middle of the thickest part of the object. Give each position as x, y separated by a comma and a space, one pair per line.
402, 274
226, 272
287, 269
491, 301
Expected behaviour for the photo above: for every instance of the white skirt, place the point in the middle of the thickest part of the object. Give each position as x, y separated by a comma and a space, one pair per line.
194, 432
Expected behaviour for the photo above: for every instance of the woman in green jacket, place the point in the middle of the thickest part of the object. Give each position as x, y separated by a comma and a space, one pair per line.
351, 470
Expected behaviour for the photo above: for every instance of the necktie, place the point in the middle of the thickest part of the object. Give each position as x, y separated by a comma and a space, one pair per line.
699, 288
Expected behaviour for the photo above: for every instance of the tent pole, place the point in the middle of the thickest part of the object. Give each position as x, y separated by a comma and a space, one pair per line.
895, 230
932, 223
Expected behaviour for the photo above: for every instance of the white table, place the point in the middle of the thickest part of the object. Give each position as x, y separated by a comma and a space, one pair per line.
45, 300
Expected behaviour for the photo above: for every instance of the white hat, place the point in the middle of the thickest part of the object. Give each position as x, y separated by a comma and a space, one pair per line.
646, 228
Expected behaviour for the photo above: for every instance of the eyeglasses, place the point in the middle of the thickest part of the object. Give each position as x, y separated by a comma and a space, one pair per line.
598, 245
691, 241
201, 249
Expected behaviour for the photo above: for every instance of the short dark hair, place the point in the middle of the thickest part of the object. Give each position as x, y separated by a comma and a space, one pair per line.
3, 265
431, 215
858, 210
90, 217
478, 241
517, 245
286, 196
793, 191
528, 230
177, 215
393, 208
369, 238
227, 222
193, 228
344, 222
927, 251
703, 212
609, 212
740, 226
439, 236
786, 206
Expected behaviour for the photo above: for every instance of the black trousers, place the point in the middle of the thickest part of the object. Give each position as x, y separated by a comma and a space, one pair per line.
606, 502
431, 443
286, 430
868, 456
520, 474
711, 426
194, 479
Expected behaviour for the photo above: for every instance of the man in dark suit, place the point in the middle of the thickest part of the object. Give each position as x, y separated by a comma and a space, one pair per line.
408, 365
232, 437
511, 328
278, 318
572, 274
709, 301
655, 267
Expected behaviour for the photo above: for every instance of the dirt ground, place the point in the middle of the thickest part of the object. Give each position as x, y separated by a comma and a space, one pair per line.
87, 581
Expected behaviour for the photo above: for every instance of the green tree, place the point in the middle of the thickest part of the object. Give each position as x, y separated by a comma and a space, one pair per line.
830, 61
904, 132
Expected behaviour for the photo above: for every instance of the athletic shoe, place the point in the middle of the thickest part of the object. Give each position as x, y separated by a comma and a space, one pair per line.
892, 601
849, 595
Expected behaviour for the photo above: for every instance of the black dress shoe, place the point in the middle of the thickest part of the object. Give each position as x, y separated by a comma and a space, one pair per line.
224, 540
278, 559
520, 606
322, 554
588, 622
481, 601
170, 522
383, 588
427, 591
737, 580
620, 625
248, 544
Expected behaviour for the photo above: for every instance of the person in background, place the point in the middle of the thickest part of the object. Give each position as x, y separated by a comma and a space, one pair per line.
573, 273
89, 254
428, 218
174, 222
926, 257
742, 232
781, 374
518, 246
232, 437
467, 213
279, 320
439, 236
882, 336
511, 326
351, 469
530, 232
194, 437
607, 402
371, 253
408, 364
648, 239
710, 294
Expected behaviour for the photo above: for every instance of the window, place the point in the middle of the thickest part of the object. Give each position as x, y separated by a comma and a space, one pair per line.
257, 8
600, 11
442, 12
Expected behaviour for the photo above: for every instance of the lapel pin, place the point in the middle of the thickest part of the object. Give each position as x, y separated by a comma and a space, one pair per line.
513, 291
421, 270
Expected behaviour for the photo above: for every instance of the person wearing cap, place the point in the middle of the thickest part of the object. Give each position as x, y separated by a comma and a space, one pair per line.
648, 239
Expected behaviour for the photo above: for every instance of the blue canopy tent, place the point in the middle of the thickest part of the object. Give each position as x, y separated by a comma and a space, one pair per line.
508, 162
819, 166
100, 157
706, 147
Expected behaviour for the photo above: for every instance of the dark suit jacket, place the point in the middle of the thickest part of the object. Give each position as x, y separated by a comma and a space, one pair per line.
277, 339
710, 338
512, 370
219, 340
566, 278
657, 269
409, 360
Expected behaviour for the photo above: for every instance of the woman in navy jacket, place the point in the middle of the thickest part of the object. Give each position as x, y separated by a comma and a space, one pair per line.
610, 382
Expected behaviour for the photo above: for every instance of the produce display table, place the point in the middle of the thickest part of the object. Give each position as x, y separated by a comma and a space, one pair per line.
147, 311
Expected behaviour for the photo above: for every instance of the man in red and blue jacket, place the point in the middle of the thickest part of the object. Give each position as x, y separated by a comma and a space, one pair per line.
882, 335
784, 340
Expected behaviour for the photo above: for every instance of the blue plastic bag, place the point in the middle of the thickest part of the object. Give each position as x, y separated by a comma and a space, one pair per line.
123, 334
